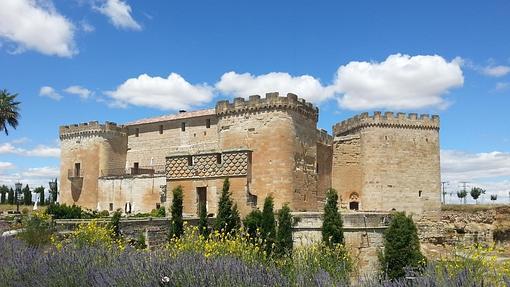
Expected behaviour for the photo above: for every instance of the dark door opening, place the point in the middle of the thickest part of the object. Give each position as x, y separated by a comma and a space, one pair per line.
354, 205
202, 198
77, 167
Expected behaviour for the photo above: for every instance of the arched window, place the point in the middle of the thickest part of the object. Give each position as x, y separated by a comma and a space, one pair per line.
354, 201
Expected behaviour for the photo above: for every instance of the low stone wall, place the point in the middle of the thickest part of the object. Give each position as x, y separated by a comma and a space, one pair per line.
363, 232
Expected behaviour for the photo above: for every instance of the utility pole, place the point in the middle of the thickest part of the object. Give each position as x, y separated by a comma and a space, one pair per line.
464, 189
443, 183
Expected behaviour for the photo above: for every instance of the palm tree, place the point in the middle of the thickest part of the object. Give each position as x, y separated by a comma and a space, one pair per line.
9, 111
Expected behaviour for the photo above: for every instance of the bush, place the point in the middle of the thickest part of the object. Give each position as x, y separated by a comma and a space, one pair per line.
92, 234
158, 212
62, 211
332, 225
401, 247
268, 228
253, 223
114, 224
227, 219
284, 240
202, 221
37, 229
176, 222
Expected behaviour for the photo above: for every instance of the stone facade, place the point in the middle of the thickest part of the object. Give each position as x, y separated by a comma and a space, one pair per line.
265, 146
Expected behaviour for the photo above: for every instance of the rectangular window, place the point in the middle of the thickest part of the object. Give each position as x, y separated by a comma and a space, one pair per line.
160, 129
183, 127
208, 123
111, 206
218, 158
137, 132
135, 168
77, 169
190, 160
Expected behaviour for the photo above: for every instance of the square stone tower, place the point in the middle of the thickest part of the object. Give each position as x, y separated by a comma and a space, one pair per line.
387, 162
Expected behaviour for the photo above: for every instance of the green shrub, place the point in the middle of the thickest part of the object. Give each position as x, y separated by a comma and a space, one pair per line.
176, 222
37, 229
401, 247
227, 219
268, 228
104, 213
203, 228
284, 240
332, 225
114, 224
158, 212
25, 211
63, 211
253, 223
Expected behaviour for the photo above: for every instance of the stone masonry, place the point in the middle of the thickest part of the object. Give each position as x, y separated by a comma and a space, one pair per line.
265, 146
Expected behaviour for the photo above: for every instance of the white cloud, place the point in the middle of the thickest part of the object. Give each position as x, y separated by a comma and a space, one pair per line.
501, 86
34, 177
399, 82
496, 71
80, 91
38, 151
36, 25
244, 85
119, 13
45, 171
49, 92
463, 166
171, 93
87, 27
6, 165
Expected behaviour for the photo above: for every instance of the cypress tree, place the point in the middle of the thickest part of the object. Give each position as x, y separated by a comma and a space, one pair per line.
41, 195
10, 196
202, 221
284, 240
253, 223
27, 195
115, 223
4, 190
332, 225
176, 222
268, 228
227, 219
401, 246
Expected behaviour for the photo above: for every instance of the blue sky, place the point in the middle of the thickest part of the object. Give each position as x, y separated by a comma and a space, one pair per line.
80, 60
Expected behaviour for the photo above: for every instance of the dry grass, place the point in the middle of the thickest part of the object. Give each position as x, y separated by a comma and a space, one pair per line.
502, 208
7, 207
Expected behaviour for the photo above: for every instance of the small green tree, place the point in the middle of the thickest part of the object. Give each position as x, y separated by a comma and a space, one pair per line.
4, 190
176, 222
401, 246
476, 192
40, 191
202, 221
268, 226
253, 223
227, 219
332, 225
494, 197
461, 194
10, 196
284, 240
115, 223
27, 195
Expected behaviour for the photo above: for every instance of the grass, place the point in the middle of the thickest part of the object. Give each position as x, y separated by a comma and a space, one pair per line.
12, 207
501, 208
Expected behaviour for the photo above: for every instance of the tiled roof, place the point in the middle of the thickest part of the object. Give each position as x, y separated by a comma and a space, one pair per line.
179, 116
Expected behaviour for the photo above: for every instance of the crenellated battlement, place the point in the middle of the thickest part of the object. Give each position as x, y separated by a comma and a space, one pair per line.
271, 101
91, 128
388, 119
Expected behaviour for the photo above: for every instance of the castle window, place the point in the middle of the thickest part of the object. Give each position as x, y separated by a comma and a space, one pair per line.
137, 132
111, 206
419, 193
208, 123
160, 129
218, 158
158, 205
354, 205
183, 127
77, 169
190, 160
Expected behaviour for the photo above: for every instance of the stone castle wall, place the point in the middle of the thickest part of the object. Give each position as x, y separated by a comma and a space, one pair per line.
281, 133
152, 146
95, 147
390, 161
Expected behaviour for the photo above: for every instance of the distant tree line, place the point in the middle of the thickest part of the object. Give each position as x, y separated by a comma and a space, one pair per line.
8, 195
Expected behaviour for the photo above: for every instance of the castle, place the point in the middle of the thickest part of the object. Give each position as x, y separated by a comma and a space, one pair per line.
265, 146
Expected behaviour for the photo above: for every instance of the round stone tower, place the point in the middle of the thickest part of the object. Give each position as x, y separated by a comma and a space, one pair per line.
89, 150
282, 135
